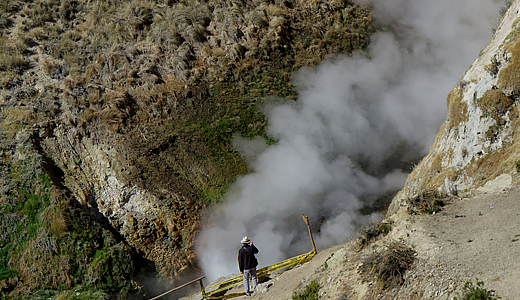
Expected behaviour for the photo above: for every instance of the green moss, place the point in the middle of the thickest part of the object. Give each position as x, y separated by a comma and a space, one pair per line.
80, 253
5, 271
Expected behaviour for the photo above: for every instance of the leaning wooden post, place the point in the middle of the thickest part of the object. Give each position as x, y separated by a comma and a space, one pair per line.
306, 220
202, 287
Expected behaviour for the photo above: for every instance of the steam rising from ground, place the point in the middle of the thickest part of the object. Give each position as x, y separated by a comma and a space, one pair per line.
344, 142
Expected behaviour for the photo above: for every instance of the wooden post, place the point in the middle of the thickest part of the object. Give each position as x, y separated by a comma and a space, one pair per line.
202, 287
306, 220
179, 287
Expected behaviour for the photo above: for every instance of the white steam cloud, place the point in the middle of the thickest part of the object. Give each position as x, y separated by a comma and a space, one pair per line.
343, 143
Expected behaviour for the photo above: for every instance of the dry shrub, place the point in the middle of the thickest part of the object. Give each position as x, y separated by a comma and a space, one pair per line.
235, 51
429, 201
370, 233
58, 227
258, 19
275, 10
195, 33
388, 266
12, 56
15, 118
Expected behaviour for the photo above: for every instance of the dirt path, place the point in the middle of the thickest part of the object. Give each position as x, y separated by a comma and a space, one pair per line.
478, 237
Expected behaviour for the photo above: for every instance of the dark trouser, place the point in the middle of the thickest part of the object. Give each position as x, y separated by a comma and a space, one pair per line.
246, 280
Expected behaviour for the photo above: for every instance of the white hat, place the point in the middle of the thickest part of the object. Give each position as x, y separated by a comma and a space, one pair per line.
245, 240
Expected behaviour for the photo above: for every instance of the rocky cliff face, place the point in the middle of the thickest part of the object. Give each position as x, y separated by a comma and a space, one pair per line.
479, 140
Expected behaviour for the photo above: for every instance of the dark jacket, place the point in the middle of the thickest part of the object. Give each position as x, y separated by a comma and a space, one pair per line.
246, 257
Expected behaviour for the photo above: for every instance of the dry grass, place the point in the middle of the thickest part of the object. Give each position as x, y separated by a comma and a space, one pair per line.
55, 221
457, 108
508, 79
369, 234
387, 266
493, 164
40, 265
495, 104
63, 296
429, 201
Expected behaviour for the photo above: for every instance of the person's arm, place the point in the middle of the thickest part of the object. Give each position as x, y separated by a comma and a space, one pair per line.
240, 261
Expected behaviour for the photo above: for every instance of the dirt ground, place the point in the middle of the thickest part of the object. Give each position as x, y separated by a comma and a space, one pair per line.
475, 237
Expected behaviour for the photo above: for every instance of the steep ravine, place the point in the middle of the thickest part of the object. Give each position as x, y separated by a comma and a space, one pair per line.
116, 125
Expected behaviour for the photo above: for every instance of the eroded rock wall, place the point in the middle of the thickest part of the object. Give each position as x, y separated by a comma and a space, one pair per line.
479, 139
160, 225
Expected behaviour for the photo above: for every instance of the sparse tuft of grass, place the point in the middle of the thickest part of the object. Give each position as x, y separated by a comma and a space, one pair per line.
370, 233
429, 202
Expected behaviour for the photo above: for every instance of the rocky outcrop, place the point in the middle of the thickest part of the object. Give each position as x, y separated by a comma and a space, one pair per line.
161, 226
479, 139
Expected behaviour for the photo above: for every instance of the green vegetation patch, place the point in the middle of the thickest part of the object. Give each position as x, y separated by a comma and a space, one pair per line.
476, 292
310, 292
49, 244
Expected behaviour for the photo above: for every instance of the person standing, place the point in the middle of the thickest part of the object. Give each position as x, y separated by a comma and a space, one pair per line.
247, 263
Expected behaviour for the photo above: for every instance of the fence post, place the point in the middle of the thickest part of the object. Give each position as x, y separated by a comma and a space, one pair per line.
202, 287
306, 220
